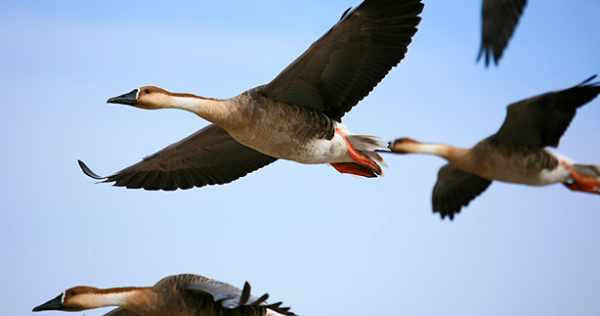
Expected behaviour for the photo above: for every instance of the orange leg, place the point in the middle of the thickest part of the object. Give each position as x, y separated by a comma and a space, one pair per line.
581, 182
353, 168
363, 166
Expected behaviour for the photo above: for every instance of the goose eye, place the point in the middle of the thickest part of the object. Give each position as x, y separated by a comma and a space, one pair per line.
73, 293
147, 91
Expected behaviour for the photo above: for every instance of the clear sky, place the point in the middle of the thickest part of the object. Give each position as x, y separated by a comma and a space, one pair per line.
322, 242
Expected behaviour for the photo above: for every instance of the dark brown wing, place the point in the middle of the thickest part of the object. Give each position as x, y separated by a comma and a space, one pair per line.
541, 121
209, 156
229, 295
498, 21
121, 312
346, 63
232, 297
455, 189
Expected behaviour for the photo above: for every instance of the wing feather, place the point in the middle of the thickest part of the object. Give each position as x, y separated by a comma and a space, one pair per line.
498, 21
542, 120
207, 157
232, 297
345, 64
455, 189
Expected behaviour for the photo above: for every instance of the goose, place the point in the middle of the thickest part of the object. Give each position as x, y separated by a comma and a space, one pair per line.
177, 295
516, 153
498, 21
297, 116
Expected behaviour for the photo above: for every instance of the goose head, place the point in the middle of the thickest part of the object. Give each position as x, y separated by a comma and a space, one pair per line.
147, 97
403, 145
74, 299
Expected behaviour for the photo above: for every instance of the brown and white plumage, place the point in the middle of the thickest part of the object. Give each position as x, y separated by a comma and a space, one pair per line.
516, 153
297, 116
498, 21
209, 156
179, 295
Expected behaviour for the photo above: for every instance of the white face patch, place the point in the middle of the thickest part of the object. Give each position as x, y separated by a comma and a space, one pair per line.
62, 299
137, 94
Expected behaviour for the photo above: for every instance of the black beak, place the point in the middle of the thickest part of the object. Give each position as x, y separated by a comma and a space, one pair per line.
54, 304
127, 98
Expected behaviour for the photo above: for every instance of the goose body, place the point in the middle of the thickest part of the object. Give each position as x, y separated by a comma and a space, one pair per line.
285, 134
515, 154
522, 165
179, 295
297, 116
498, 21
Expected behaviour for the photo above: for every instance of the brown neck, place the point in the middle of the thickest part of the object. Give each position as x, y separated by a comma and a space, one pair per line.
213, 110
143, 301
454, 155
189, 95
135, 299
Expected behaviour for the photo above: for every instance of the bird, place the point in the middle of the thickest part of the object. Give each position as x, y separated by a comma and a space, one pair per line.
498, 21
297, 116
516, 153
176, 295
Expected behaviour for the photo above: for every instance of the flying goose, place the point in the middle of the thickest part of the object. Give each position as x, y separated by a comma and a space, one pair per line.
297, 116
178, 295
515, 153
498, 21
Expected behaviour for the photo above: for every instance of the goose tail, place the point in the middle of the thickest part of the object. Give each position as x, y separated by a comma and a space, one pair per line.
368, 146
367, 163
591, 171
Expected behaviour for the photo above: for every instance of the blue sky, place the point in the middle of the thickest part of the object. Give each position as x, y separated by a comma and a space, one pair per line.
322, 242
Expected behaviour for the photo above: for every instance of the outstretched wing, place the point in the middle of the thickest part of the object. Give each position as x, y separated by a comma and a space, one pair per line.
209, 156
346, 63
541, 121
455, 189
232, 297
498, 21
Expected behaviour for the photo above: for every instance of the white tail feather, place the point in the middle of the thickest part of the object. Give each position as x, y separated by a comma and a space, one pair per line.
588, 170
367, 145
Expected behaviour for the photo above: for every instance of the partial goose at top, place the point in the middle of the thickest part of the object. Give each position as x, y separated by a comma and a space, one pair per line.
515, 153
178, 295
297, 116
498, 21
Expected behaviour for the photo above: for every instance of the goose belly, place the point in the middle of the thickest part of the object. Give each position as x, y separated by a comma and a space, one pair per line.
287, 131
534, 168
286, 145
544, 177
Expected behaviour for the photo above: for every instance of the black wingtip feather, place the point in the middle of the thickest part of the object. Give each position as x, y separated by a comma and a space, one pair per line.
345, 13
245, 294
261, 299
245, 297
281, 310
88, 172
588, 80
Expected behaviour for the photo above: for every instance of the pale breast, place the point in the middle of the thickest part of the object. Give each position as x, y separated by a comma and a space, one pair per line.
516, 164
285, 131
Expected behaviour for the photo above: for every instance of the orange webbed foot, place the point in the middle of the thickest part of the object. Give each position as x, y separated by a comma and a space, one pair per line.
353, 168
582, 182
363, 167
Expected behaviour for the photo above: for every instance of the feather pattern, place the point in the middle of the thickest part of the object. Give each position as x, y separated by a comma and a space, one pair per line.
295, 117
345, 64
207, 157
498, 21
178, 295
515, 154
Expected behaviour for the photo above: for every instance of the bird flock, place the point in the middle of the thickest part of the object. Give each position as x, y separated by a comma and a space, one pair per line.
298, 117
